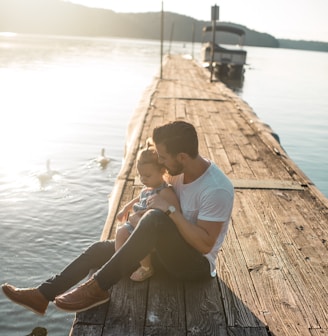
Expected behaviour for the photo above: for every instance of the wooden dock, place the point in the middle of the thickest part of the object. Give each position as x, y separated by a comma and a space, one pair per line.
272, 268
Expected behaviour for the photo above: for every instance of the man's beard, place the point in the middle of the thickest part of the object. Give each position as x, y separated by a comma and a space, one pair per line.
177, 170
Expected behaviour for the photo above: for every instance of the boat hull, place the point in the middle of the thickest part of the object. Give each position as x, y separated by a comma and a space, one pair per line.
223, 55
226, 62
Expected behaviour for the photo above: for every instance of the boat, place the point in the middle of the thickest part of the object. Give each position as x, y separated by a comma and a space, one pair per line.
227, 63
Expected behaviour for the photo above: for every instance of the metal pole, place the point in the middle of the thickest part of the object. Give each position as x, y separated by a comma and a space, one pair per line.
214, 18
193, 40
171, 38
162, 38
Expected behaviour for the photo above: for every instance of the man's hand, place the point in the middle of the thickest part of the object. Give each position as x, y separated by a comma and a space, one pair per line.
157, 202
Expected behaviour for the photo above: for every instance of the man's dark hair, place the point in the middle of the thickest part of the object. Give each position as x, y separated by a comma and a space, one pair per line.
178, 137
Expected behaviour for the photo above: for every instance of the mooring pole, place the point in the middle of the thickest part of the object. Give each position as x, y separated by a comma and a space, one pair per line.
214, 18
171, 37
193, 40
162, 38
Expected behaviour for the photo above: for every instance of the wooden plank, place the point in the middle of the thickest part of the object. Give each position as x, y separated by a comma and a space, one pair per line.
305, 272
163, 111
127, 309
319, 332
180, 111
239, 165
258, 156
216, 113
194, 98
241, 303
90, 322
166, 308
238, 331
266, 184
204, 308
279, 302
218, 331
87, 330
217, 152
265, 133
163, 331
122, 190
317, 213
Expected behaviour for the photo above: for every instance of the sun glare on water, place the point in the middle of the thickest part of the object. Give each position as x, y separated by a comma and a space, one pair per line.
31, 120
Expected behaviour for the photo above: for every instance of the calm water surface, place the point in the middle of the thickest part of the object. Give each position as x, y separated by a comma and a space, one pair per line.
64, 99
287, 89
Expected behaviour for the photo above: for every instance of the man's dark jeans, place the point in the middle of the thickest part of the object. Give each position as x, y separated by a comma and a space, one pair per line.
156, 233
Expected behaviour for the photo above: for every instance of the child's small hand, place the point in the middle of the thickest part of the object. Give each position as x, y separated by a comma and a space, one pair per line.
122, 216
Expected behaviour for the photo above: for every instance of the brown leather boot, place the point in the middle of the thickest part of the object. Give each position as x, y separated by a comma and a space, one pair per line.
86, 296
30, 298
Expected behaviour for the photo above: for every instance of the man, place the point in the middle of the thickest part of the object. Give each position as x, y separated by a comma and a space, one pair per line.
184, 242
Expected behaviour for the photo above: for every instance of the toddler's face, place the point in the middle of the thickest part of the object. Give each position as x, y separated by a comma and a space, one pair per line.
150, 175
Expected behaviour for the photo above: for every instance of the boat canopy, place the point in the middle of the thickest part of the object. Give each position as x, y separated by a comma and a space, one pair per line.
229, 29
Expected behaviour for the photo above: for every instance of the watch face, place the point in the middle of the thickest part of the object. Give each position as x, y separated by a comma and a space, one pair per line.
172, 208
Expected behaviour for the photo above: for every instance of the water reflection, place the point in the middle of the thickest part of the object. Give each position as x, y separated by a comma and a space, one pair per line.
235, 84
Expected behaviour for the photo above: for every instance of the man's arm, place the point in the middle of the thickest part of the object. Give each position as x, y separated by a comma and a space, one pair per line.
201, 236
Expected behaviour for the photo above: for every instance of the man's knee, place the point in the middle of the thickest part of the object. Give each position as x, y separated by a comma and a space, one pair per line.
155, 218
100, 248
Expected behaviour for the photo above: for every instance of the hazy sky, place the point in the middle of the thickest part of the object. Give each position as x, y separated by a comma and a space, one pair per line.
291, 19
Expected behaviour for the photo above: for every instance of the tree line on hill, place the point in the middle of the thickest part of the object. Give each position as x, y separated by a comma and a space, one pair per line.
57, 17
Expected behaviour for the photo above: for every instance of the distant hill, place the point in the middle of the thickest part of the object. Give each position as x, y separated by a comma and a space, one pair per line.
303, 45
56, 17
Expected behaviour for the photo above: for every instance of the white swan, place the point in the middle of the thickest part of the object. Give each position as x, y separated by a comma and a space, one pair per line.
102, 159
46, 176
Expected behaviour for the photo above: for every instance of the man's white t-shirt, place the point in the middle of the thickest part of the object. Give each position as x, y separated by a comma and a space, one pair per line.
208, 198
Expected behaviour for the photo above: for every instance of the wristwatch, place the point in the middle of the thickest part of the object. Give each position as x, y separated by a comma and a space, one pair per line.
170, 210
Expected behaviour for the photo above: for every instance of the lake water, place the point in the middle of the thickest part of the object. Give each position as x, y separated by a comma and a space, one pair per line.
65, 98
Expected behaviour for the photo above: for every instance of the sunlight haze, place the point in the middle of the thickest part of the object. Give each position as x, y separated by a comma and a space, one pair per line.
292, 19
